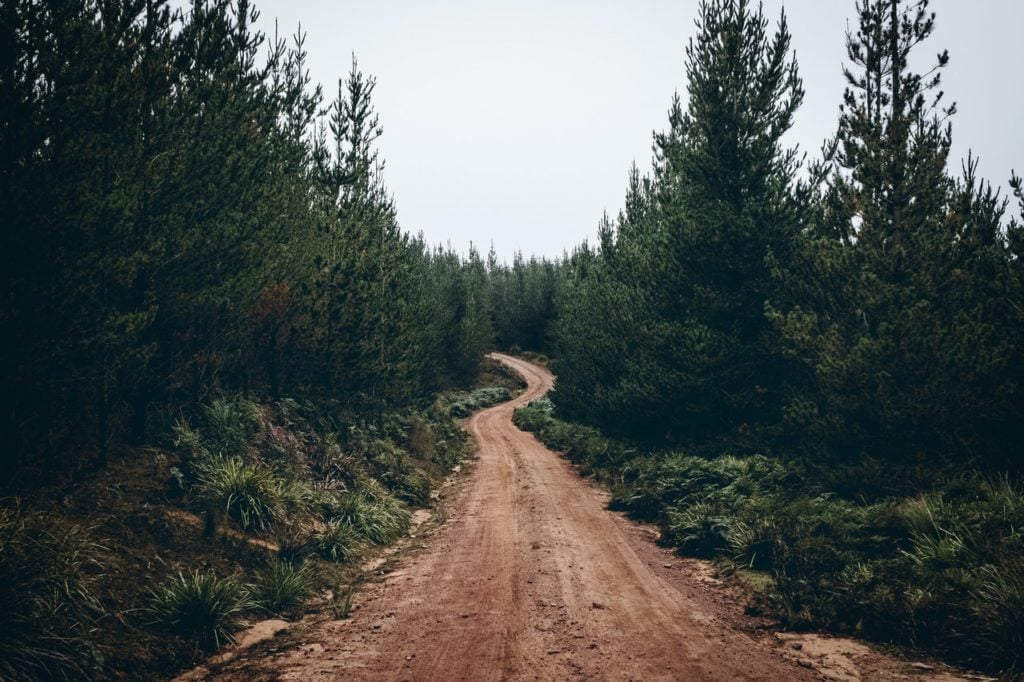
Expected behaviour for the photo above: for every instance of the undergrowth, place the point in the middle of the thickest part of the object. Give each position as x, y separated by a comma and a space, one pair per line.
48, 569
199, 606
251, 509
250, 493
464, 404
940, 568
284, 585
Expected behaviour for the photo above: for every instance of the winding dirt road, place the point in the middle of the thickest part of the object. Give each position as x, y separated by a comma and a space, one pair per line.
531, 578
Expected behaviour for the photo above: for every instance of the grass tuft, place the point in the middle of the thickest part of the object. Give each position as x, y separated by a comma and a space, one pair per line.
199, 606
698, 530
373, 515
231, 424
47, 598
337, 541
251, 494
997, 637
283, 585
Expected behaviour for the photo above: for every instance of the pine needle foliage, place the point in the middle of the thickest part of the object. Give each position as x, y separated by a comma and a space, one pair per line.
145, 275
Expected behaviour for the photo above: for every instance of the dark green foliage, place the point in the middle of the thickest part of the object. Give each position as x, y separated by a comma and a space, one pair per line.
200, 606
337, 540
47, 597
997, 610
295, 470
465, 404
870, 314
940, 570
524, 302
414, 488
183, 223
251, 494
680, 481
283, 585
373, 515
854, 337
663, 334
907, 321
698, 530
231, 425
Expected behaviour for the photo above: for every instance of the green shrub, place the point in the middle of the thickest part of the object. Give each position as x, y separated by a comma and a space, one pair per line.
200, 606
460, 410
387, 461
283, 585
996, 635
730, 483
921, 514
47, 598
752, 541
1002, 502
251, 494
189, 442
413, 487
939, 550
231, 424
294, 540
337, 540
421, 440
698, 530
337, 467
465, 404
373, 515
852, 547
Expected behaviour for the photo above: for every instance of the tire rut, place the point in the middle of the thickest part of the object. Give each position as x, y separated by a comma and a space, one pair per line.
531, 578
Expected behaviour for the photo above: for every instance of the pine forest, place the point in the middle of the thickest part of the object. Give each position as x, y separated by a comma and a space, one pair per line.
232, 378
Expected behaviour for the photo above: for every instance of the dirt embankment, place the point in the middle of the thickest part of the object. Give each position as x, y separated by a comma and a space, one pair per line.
532, 578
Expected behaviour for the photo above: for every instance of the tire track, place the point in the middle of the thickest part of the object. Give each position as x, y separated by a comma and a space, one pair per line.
531, 578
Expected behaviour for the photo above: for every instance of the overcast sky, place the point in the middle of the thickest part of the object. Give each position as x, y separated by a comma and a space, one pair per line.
516, 122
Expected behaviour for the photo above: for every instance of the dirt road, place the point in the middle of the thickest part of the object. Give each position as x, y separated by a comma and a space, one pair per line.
531, 578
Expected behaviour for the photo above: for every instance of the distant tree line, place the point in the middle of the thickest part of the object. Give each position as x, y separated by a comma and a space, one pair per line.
184, 214
523, 301
867, 305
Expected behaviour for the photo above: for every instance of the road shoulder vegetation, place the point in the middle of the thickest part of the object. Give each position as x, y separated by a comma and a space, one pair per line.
937, 570
248, 511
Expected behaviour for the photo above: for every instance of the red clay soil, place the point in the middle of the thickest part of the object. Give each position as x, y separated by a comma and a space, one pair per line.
531, 578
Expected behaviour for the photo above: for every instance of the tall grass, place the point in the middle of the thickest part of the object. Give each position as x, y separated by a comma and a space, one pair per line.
199, 606
47, 598
336, 540
997, 608
231, 424
251, 494
283, 585
373, 514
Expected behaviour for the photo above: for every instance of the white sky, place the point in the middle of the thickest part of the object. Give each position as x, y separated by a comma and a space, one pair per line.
516, 122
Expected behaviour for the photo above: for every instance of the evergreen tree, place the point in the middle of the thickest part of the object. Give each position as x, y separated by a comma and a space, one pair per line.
911, 266
695, 249
176, 224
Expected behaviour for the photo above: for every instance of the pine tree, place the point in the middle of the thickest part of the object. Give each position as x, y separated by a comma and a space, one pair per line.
721, 213
910, 267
